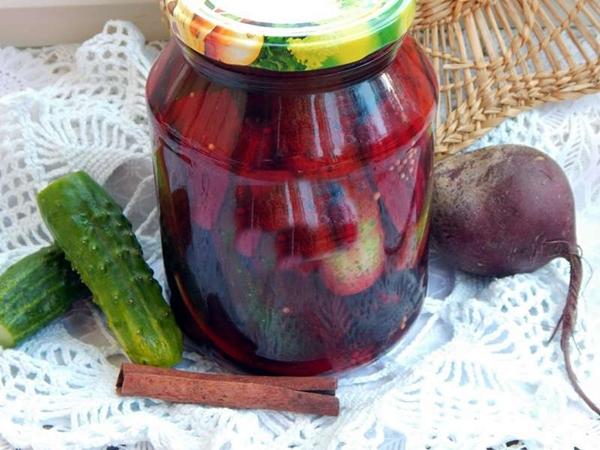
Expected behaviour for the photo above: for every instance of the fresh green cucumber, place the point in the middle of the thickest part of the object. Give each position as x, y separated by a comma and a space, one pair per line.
35, 291
97, 239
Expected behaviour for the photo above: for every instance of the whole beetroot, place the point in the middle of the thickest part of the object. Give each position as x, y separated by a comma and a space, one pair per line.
508, 209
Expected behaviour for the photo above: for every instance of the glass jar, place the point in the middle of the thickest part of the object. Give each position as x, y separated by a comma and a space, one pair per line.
294, 181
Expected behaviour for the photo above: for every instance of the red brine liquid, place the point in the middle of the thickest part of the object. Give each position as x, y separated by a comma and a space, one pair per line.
295, 206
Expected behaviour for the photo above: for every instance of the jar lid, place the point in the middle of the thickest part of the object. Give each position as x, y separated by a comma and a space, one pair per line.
289, 35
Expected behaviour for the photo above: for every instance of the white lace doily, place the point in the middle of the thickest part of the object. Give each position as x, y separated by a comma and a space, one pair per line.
474, 373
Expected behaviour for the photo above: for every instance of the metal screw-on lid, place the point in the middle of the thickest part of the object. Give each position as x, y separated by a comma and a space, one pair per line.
289, 35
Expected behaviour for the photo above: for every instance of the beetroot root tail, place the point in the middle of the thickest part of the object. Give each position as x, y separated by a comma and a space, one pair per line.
567, 320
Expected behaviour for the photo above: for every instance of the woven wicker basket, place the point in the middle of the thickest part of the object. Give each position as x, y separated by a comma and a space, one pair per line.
496, 58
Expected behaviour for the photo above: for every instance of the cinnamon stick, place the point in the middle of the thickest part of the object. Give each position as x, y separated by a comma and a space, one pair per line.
309, 395
320, 384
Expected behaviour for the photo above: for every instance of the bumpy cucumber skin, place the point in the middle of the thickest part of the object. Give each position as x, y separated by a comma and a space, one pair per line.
98, 240
35, 291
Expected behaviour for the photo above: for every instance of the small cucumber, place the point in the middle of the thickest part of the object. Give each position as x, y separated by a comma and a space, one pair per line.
35, 291
98, 241
357, 267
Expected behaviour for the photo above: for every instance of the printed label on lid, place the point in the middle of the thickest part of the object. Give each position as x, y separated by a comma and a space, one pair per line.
280, 12
285, 35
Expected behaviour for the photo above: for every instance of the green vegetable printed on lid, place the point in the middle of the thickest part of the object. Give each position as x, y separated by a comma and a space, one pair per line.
324, 33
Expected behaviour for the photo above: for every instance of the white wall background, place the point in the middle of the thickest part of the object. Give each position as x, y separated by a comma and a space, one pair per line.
26, 23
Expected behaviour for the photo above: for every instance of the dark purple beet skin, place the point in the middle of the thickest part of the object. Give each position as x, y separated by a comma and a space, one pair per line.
504, 210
